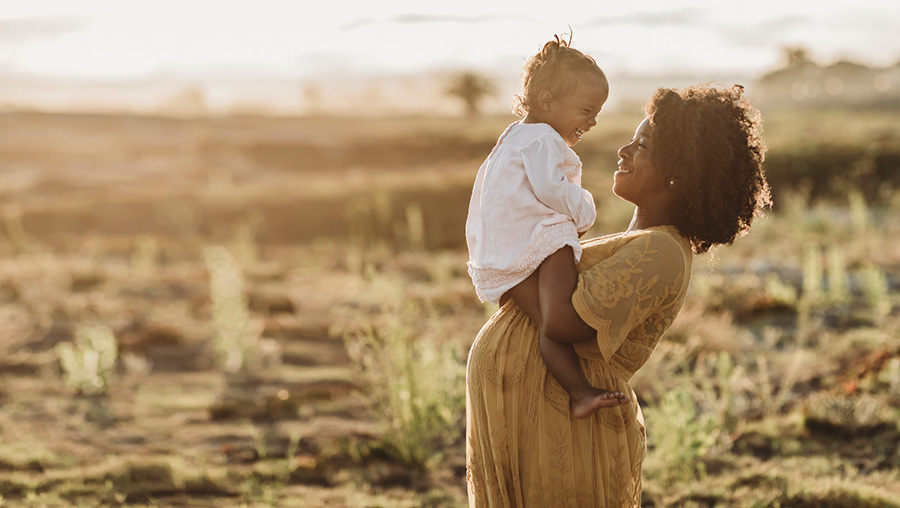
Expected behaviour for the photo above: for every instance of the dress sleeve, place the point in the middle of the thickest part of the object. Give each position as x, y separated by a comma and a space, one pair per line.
619, 293
543, 160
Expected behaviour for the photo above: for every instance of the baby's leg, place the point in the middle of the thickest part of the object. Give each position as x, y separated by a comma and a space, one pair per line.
563, 363
525, 294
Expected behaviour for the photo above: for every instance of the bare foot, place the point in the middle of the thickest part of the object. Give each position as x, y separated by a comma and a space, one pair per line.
584, 405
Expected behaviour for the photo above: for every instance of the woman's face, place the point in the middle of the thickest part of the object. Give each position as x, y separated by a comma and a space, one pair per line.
637, 179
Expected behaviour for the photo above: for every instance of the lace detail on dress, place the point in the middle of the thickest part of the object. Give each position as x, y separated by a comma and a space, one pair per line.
504, 381
556, 395
618, 418
608, 287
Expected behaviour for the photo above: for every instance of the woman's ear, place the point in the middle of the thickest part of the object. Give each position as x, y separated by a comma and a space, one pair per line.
545, 99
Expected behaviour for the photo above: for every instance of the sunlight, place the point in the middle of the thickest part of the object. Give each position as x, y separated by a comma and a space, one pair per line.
105, 38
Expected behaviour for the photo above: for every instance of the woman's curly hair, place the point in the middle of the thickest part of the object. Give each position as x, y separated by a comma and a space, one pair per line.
558, 68
708, 139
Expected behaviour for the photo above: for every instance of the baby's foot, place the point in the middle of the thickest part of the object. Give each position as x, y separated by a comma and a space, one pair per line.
591, 401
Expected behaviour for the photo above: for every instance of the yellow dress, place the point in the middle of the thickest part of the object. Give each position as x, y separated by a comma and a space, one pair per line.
524, 448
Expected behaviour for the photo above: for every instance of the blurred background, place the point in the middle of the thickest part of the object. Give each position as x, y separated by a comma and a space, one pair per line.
232, 255
292, 58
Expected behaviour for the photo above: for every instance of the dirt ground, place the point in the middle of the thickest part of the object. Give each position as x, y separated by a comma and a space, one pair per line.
105, 221
791, 379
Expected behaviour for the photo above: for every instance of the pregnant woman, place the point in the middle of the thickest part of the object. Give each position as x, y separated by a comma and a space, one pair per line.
693, 171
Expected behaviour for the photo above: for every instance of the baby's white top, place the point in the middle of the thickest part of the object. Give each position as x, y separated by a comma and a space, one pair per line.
526, 204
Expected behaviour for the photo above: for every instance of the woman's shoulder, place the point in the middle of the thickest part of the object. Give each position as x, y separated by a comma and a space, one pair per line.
659, 240
666, 236
655, 233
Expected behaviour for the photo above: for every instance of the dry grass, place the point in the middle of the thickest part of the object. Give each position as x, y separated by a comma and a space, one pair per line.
784, 363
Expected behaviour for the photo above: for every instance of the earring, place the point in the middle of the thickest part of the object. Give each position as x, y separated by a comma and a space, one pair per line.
671, 182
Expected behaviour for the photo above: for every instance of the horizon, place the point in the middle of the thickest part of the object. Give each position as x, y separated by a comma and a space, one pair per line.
59, 55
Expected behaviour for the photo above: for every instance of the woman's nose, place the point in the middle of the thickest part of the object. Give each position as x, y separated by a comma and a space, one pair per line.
623, 151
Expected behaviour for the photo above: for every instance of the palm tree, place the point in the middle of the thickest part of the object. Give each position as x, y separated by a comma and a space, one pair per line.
471, 88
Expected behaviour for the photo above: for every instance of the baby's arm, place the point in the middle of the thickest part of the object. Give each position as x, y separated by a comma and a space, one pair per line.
543, 167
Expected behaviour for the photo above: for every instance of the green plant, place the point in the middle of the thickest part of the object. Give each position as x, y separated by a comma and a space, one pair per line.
781, 293
682, 434
717, 375
237, 338
812, 275
90, 364
875, 291
837, 275
775, 397
890, 376
416, 381
859, 211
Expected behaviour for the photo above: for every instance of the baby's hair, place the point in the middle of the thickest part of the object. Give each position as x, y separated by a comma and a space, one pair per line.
559, 69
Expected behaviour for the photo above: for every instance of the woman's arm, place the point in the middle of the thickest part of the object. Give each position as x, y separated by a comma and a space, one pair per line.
558, 280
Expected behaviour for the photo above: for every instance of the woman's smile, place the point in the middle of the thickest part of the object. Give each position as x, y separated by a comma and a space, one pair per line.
622, 169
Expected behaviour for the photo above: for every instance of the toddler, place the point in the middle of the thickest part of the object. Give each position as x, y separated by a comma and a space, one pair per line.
527, 201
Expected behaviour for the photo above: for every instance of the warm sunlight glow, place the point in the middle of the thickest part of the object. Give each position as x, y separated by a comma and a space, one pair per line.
288, 51
281, 37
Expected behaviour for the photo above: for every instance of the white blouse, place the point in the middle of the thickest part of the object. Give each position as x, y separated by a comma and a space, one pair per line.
526, 204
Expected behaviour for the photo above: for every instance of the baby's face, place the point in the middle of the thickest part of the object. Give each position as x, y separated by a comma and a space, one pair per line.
573, 116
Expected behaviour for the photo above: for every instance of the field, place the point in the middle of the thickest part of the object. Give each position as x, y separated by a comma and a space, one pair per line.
253, 311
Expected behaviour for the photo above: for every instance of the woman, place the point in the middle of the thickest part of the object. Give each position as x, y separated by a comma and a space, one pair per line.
693, 171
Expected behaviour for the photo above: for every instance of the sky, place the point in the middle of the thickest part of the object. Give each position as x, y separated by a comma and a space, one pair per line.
109, 40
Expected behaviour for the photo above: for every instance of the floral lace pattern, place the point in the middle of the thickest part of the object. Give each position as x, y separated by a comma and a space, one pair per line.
524, 446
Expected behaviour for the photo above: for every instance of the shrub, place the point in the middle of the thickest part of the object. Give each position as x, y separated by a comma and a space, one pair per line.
239, 346
416, 381
89, 365
682, 434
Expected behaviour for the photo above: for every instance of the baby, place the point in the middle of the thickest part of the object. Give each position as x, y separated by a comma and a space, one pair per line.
528, 202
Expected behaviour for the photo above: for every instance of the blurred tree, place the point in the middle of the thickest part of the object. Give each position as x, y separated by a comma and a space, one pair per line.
471, 88
795, 56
